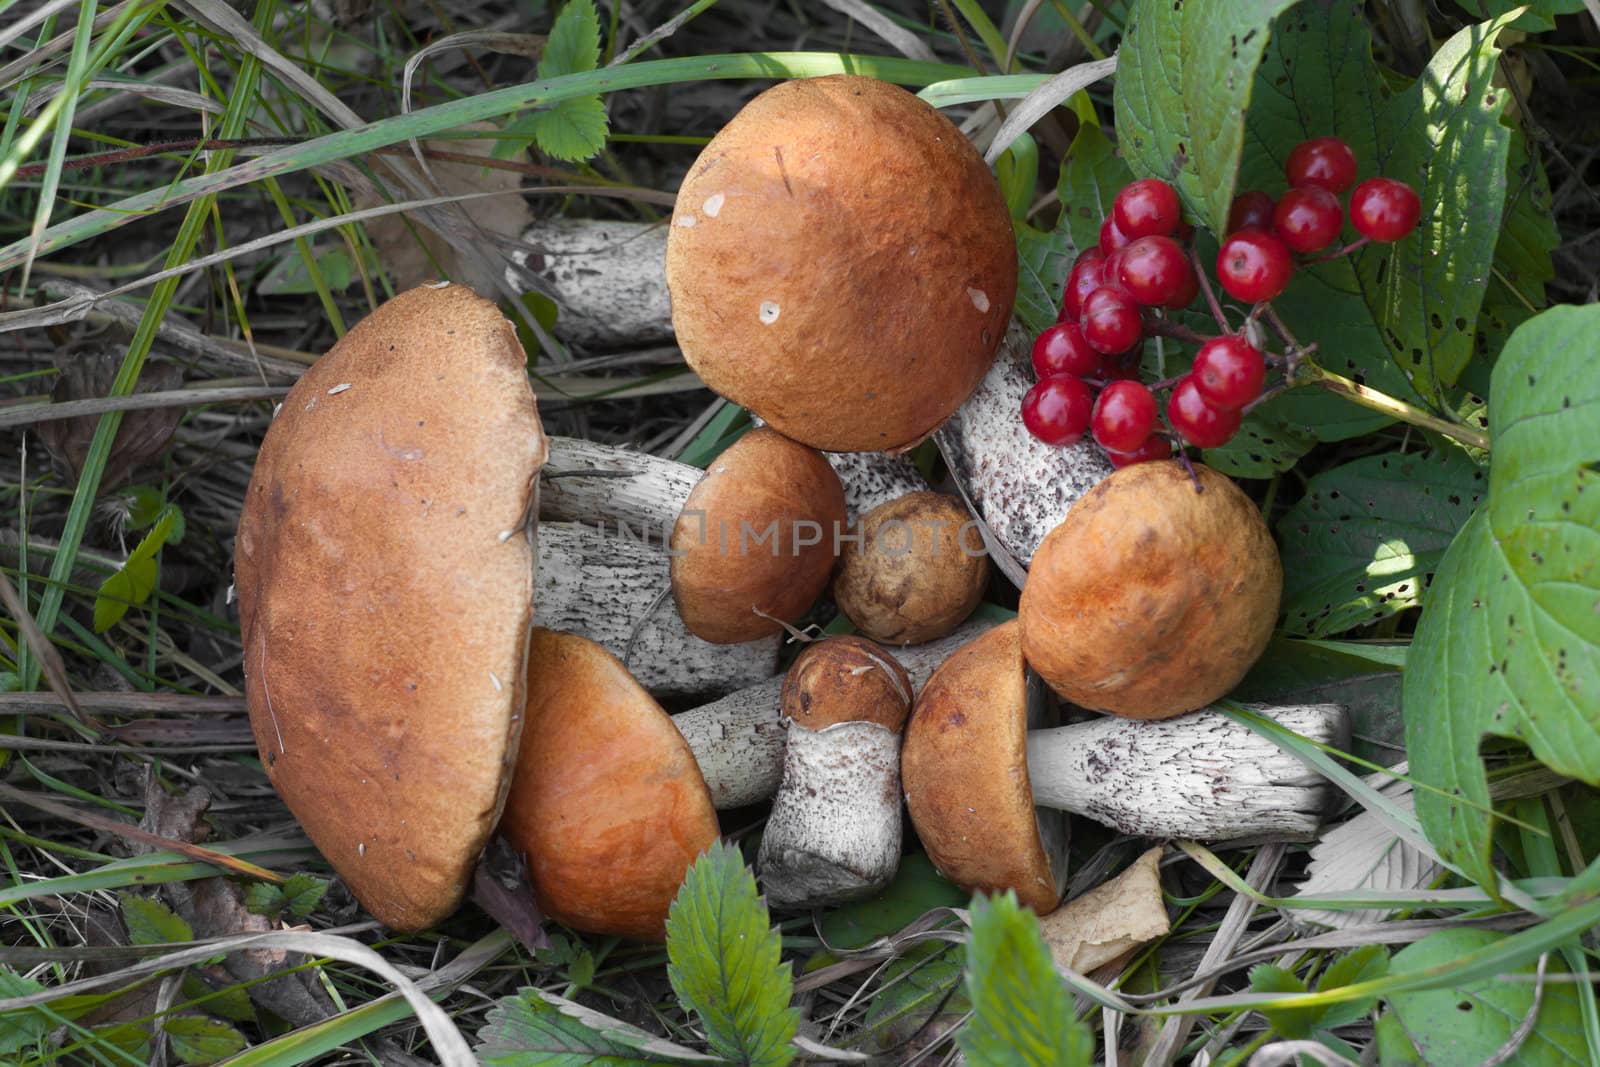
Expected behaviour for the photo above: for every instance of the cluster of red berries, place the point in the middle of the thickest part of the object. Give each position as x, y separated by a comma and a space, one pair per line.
1117, 289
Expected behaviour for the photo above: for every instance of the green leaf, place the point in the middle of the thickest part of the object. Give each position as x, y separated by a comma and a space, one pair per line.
1018, 172
724, 961
1292, 1023
1022, 1013
925, 980
1509, 643
573, 130
291, 274
1540, 15
21, 1030
1266, 443
304, 892
230, 1002
574, 42
1366, 537
198, 1039
531, 1029
1469, 1024
135, 580
1394, 1047
1043, 259
1312, 672
1365, 964
917, 889
1091, 175
1185, 77
151, 922
1522, 262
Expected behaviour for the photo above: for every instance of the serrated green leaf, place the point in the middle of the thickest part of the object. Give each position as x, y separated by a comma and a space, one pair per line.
1509, 642
1292, 1023
724, 961
1466, 1026
151, 922
1185, 76
198, 1039
917, 889
572, 130
263, 898
527, 1030
1022, 1012
230, 1002
1091, 175
1365, 964
1043, 259
574, 42
304, 892
1362, 542
21, 1030
135, 580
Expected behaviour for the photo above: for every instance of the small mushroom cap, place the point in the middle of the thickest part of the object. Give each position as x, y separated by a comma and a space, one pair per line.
915, 573
846, 679
758, 532
814, 282
607, 800
964, 766
1151, 599
385, 571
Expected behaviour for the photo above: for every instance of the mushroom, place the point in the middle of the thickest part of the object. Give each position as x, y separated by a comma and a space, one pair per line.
391, 515
752, 539
607, 801
986, 796
807, 285
914, 569
1155, 595
834, 831
606, 276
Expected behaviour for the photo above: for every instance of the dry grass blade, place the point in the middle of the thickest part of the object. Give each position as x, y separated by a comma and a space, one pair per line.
168, 398
904, 41
55, 669
1045, 99
160, 703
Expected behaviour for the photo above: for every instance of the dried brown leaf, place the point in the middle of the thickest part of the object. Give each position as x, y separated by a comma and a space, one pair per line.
1110, 920
143, 435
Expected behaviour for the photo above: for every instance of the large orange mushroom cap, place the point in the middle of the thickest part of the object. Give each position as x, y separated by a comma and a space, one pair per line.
1151, 599
842, 263
385, 574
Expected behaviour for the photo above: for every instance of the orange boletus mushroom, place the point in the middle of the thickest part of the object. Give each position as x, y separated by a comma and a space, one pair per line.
385, 575
815, 279
607, 801
1155, 594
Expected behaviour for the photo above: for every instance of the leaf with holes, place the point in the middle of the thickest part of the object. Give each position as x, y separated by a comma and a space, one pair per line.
1022, 1013
1185, 76
1472, 1024
1265, 444
1043, 259
1509, 641
1091, 176
1366, 537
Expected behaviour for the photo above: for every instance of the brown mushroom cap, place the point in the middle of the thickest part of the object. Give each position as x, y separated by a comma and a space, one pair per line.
607, 800
964, 767
1151, 599
915, 573
756, 533
846, 679
815, 279
385, 574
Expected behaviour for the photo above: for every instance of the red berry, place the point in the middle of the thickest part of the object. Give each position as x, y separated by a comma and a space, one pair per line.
1111, 321
1186, 292
1308, 218
1124, 414
1087, 275
1155, 447
1111, 236
1251, 210
1154, 270
1326, 162
1198, 421
1146, 208
1057, 409
1229, 372
1384, 209
1253, 265
1061, 349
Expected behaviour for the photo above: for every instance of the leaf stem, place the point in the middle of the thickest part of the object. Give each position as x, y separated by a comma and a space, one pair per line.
1304, 372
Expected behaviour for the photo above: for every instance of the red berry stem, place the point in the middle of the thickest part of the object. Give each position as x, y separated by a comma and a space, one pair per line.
1210, 294
1306, 372
1353, 246
1270, 313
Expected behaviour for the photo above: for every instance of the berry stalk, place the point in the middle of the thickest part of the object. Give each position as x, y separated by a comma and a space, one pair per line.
1304, 372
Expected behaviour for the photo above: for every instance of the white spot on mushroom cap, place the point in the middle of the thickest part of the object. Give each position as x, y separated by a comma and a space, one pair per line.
980, 299
768, 312
436, 285
361, 848
685, 221
336, 390
495, 680
713, 204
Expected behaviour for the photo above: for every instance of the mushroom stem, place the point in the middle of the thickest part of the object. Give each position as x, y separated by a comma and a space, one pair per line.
873, 478
739, 739
584, 481
608, 278
1018, 485
601, 586
1200, 776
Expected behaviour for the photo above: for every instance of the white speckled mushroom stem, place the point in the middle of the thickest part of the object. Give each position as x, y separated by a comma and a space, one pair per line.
600, 586
1019, 486
739, 740
834, 832
608, 278
1200, 776
612, 487
873, 478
